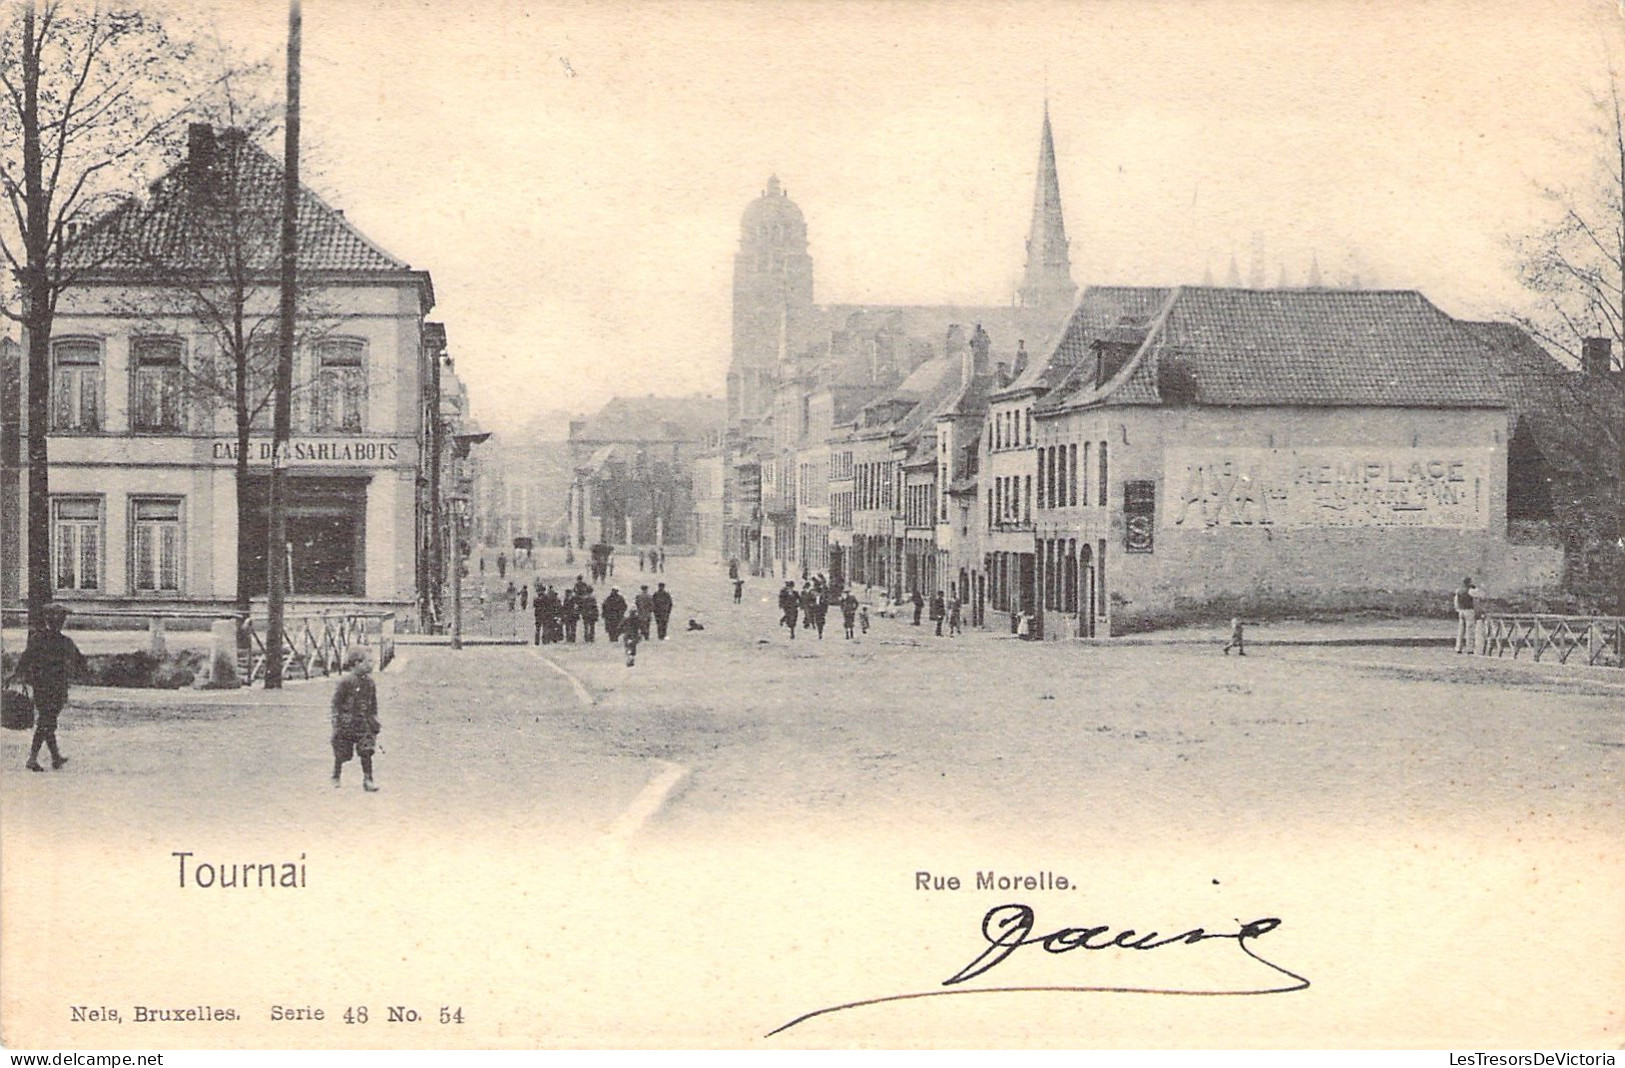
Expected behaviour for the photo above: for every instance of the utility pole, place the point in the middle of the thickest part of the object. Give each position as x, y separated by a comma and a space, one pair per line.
277, 542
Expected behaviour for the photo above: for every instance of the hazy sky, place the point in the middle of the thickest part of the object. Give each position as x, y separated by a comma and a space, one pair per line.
573, 175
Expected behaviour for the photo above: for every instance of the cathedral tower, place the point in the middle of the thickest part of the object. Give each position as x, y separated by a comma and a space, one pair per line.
1047, 282
772, 299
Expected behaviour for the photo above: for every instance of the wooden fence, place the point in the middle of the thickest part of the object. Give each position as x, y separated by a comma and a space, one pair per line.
1597, 640
316, 643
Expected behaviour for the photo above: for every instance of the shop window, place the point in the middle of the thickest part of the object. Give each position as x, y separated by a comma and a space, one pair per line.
340, 400
155, 546
76, 401
77, 526
157, 364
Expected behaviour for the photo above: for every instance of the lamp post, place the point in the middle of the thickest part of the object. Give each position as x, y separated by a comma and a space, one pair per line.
461, 445
459, 512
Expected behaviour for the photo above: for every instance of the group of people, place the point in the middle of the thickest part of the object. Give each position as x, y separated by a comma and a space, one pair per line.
809, 607
559, 614
945, 608
653, 560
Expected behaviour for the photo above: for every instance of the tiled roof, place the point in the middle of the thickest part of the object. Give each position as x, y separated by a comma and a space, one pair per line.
1304, 347
1099, 309
173, 226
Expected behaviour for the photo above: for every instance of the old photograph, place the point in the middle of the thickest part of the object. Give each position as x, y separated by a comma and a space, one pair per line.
797, 525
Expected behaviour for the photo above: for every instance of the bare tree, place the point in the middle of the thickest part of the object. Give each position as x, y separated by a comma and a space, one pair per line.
86, 96
1574, 271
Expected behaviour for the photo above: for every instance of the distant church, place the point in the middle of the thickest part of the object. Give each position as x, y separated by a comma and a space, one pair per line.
799, 370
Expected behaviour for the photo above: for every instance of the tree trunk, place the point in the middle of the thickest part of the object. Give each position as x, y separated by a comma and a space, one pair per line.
37, 311
245, 514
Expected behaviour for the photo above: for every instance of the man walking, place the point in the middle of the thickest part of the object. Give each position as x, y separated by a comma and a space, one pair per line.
661, 603
1466, 605
589, 615
939, 611
789, 606
48, 666
614, 613
739, 589
849, 612
919, 606
571, 611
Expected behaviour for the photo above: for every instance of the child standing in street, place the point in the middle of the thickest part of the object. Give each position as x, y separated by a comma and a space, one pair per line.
1235, 638
631, 634
355, 717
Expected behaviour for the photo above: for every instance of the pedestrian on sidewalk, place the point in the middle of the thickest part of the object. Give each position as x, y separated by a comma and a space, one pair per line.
939, 611
739, 589
954, 612
355, 717
539, 611
919, 606
614, 614
48, 665
1236, 642
849, 613
1465, 603
863, 618
524, 597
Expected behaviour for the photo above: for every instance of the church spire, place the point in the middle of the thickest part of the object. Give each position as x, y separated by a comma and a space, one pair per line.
1047, 281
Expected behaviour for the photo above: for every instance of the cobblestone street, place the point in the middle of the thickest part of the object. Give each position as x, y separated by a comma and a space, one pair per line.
1379, 799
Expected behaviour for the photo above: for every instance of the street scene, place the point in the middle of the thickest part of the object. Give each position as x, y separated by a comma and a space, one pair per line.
1114, 561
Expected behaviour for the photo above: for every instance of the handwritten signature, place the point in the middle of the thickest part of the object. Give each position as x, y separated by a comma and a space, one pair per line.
1007, 928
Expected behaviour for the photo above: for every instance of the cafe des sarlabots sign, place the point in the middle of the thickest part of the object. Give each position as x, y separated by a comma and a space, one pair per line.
314, 452
1446, 489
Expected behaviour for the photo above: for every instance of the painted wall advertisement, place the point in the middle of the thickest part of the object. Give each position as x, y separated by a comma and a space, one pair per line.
1445, 489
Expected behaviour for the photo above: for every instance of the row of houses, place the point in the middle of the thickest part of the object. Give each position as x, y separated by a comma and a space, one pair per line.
146, 358
1135, 455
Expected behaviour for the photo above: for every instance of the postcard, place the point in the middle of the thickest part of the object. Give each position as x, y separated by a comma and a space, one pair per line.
804, 525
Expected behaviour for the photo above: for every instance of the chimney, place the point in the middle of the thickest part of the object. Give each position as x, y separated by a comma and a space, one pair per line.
1596, 355
200, 149
976, 356
1021, 359
1002, 375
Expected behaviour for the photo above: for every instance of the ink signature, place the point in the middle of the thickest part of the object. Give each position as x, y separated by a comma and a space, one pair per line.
1007, 928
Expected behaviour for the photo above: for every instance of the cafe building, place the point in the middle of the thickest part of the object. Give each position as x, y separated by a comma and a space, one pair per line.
144, 445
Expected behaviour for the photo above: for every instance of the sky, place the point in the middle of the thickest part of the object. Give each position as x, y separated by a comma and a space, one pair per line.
573, 175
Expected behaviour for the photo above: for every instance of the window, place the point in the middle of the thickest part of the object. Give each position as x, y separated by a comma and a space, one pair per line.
1072, 483
1103, 500
77, 401
78, 548
1083, 476
340, 399
157, 365
155, 546
1027, 513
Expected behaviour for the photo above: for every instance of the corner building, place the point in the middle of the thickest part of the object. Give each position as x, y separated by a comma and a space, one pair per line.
144, 488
